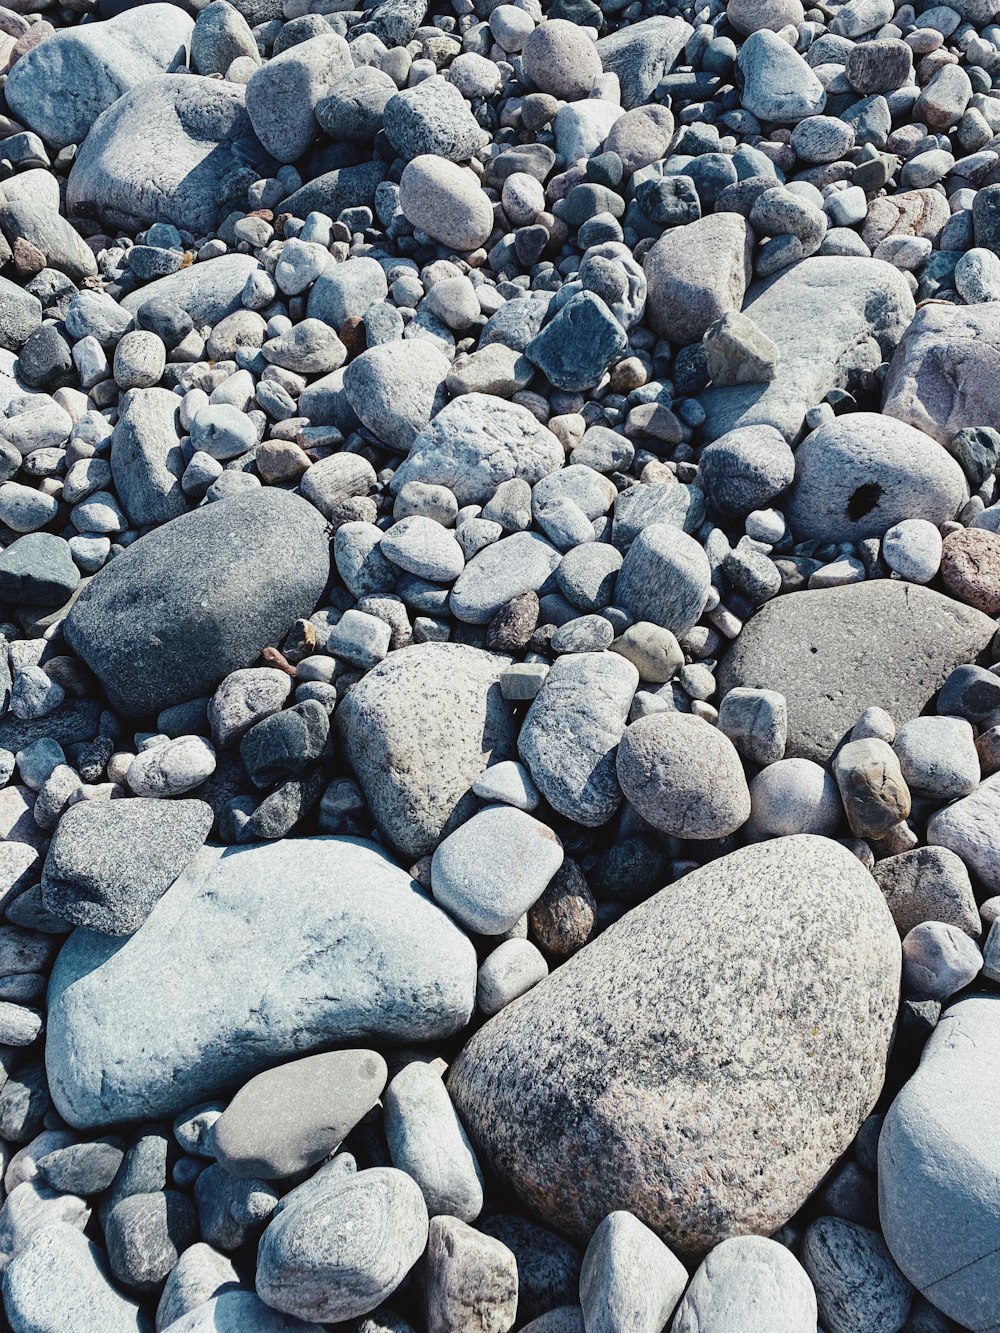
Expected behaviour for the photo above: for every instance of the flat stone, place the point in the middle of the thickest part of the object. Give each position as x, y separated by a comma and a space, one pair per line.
430, 708
520, 563
206, 292
253, 565
38, 570
59, 1279
271, 1001
750, 1283
815, 649
613, 1084
576, 347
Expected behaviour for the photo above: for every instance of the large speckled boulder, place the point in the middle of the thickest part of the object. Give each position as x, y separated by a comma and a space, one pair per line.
705, 1061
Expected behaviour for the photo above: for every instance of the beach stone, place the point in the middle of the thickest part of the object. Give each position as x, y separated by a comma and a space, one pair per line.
199, 1274
432, 703
282, 96
427, 1141
756, 721
938, 756
912, 549
475, 444
664, 578
967, 827
238, 1311
341, 893
928, 884
814, 647
856, 1281
629, 1278
20, 315
59, 1277
561, 59
38, 570
288, 1119
520, 563
470, 1280
641, 53
938, 1184
206, 293
683, 776
778, 86
59, 243
259, 561
576, 347
98, 872
221, 35
432, 118
354, 107
970, 568
857, 476
535, 1083
445, 201
511, 969
341, 1251
831, 318
750, 1283
396, 389
872, 788
938, 960
147, 461
746, 469
570, 735
145, 1234
187, 172
696, 274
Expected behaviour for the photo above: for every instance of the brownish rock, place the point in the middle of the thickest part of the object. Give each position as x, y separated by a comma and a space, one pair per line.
563, 917
970, 568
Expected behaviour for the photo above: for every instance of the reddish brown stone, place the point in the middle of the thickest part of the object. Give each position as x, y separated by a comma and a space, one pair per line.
970, 568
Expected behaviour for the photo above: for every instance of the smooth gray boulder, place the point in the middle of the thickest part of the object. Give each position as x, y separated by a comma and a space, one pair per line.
48, 231
655, 1072
418, 730
147, 461
641, 53
939, 1170
281, 98
60, 1280
61, 86
833, 319
178, 148
207, 291
629, 1279
748, 1283
238, 1311
195, 599
815, 648
395, 388
230, 988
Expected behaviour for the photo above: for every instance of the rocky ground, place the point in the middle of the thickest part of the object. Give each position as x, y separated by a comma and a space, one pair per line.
500, 690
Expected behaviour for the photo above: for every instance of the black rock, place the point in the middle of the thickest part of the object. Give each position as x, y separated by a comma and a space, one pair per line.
45, 360
282, 745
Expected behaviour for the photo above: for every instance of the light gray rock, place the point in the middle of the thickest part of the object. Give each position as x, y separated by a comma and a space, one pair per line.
348, 291
29, 1207
221, 35
613, 1082
427, 1141
207, 292
630, 1281
641, 53
343, 1250
282, 96
446, 201
857, 1284
60, 87
696, 274
969, 828
20, 315
507, 973
332, 481
432, 118
146, 457
570, 736
756, 721
665, 578
939, 1180
239, 1312
778, 86
560, 58
423, 547
749, 1283
60, 1280
470, 1280
245, 697
858, 475
831, 318
43, 227
396, 388
872, 789
520, 563
199, 1274
475, 444
815, 649
938, 960
271, 1001
938, 756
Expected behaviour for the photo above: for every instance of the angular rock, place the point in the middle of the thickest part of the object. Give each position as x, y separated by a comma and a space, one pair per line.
470, 1280
629, 1278
928, 884
665, 578
815, 649
147, 461
382, 962
38, 570
641, 53
696, 274
614, 1084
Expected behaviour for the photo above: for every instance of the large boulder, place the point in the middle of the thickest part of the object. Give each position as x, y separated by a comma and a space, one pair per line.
641, 53
255, 955
62, 85
175, 149
418, 730
833, 319
705, 1061
199, 597
939, 1167
207, 292
834, 652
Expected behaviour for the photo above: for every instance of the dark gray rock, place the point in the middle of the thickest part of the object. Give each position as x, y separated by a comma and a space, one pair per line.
38, 570
190, 602
146, 1234
147, 461
20, 315
857, 1284
111, 861
928, 884
61, 244
282, 745
575, 348
548, 1265
641, 53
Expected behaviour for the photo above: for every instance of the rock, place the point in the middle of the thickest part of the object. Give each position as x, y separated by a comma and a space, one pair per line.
640, 54
146, 1234
697, 274
238, 1311
857, 476
570, 735
938, 756
60, 244
875, 796
750, 1283
576, 347
20, 315
683, 776
243, 699
857, 1284
432, 118
205, 292
269, 998
831, 319
561, 59
970, 568
737, 352
445, 201
570, 1113
563, 917
938, 960
490, 870
778, 86
912, 549
938, 1184
928, 884
61, 86
282, 96
221, 35
100, 871
629, 1278
756, 721
470, 1280
968, 828
396, 389
665, 579
288, 1119
355, 106
188, 171
815, 649
520, 564
38, 570
59, 1279
348, 291
253, 565
507, 973
433, 703
199, 1274
147, 461
427, 1141
475, 444
306, 1267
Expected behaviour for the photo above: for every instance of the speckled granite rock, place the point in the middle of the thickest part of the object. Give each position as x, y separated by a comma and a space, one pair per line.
656, 1072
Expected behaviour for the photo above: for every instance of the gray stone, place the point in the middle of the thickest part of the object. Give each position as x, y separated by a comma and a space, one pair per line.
737, 352
206, 292
221, 35
746, 469
969, 828
938, 960
696, 274
243, 698
288, 1119
145, 1235
646, 503
470, 1280
778, 86
82, 1168
20, 315
507, 973
665, 579
110, 861
60, 87
271, 1001
831, 318
146, 457
756, 721
238, 1311
58, 1280
43, 227
423, 547
749, 1283
282, 96
432, 117
31, 1206
939, 1185
613, 1082
548, 1265
570, 736
308, 1267
355, 106
445, 201
857, 1284
231, 1211
928, 884
348, 290
815, 649
640, 54
500, 572
199, 1274
561, 59
252, 566
629, 1280
475, 444
38, 570
396, 388
576, 347
427, 1141
875, 795
938, 756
